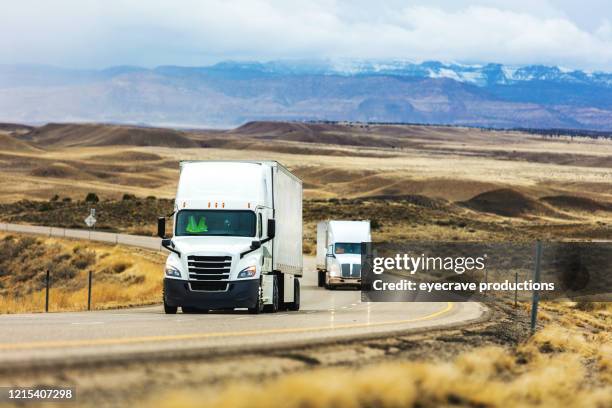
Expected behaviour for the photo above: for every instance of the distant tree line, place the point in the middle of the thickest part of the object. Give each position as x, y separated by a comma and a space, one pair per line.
554, 132
546, 132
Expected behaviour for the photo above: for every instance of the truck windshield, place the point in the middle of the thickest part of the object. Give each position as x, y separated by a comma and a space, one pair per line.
348, 248
239, 223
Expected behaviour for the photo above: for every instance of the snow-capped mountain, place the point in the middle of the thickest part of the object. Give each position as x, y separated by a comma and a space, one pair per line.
480, 75
231, 93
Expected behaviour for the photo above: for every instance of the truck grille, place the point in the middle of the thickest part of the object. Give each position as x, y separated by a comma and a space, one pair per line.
209, 268
208, 286
348, 272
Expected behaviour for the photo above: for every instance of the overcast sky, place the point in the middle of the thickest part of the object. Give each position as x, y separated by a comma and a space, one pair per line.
96, 33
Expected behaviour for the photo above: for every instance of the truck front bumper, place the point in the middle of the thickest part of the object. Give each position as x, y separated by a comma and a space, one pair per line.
239, 294
340, 281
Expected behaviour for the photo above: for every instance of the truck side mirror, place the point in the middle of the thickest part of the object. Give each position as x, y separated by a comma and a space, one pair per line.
161, 227
271, 228
255, 245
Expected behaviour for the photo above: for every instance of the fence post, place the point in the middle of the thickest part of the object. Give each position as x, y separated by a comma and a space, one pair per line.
536, 279
515, 288
486, 279
89, 293
47, 292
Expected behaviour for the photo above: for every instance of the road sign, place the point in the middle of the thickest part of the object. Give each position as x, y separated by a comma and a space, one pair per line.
91, 218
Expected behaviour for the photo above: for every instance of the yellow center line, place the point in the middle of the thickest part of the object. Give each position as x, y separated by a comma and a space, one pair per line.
199, 336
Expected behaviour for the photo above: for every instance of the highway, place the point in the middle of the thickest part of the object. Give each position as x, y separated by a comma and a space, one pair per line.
325, 316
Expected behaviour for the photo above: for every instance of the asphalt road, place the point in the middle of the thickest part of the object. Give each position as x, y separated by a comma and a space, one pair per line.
325, 316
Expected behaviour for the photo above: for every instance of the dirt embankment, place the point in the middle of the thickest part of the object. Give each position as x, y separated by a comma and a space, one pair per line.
122, 277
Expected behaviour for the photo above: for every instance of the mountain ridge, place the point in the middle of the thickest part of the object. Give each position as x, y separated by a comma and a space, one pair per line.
229, 93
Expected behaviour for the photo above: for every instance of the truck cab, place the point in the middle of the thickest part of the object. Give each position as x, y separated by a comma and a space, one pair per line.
339, 252
226, 250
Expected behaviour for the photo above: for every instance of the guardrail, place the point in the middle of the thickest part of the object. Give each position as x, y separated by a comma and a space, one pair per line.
140, 241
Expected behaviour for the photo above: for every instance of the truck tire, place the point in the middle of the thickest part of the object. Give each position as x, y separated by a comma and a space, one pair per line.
167, 308
273, 308
321, 279
295, 305
259, 306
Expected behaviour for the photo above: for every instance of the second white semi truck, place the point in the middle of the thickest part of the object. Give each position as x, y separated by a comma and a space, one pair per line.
339, 252
237, 239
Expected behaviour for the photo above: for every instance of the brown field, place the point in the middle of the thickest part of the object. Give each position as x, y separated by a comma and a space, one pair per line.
417, 182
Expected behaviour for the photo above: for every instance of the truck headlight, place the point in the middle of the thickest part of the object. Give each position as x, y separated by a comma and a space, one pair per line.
334, 269
248, 272
170, 271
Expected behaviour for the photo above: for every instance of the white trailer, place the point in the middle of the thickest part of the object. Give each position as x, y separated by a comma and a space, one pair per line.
339, 252
237, 239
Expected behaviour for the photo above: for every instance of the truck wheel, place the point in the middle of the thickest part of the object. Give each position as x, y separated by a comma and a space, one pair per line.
167, 308
321, 280
259, 306
295, 305
273, 308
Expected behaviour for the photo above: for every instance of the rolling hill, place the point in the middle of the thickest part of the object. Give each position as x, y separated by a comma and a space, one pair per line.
66, 135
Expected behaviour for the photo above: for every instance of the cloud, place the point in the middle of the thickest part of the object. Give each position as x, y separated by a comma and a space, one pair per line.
195, 32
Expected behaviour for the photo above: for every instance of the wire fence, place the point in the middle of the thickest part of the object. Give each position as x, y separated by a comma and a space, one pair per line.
140, 241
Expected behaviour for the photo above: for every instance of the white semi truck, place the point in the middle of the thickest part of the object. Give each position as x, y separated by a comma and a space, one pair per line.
237, 240
339, 252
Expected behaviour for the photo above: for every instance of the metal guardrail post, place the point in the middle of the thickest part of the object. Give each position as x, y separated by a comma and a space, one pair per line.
536, 279
47, 280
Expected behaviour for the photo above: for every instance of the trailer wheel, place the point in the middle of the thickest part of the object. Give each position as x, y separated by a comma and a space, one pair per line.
259, 306
273, 308
295, 305
321, 280
167, 308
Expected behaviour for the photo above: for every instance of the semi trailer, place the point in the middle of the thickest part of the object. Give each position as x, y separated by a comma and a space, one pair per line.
339, 252
237, 238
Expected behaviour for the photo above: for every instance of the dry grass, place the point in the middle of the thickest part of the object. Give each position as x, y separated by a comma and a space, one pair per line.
562, 365
121, 277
